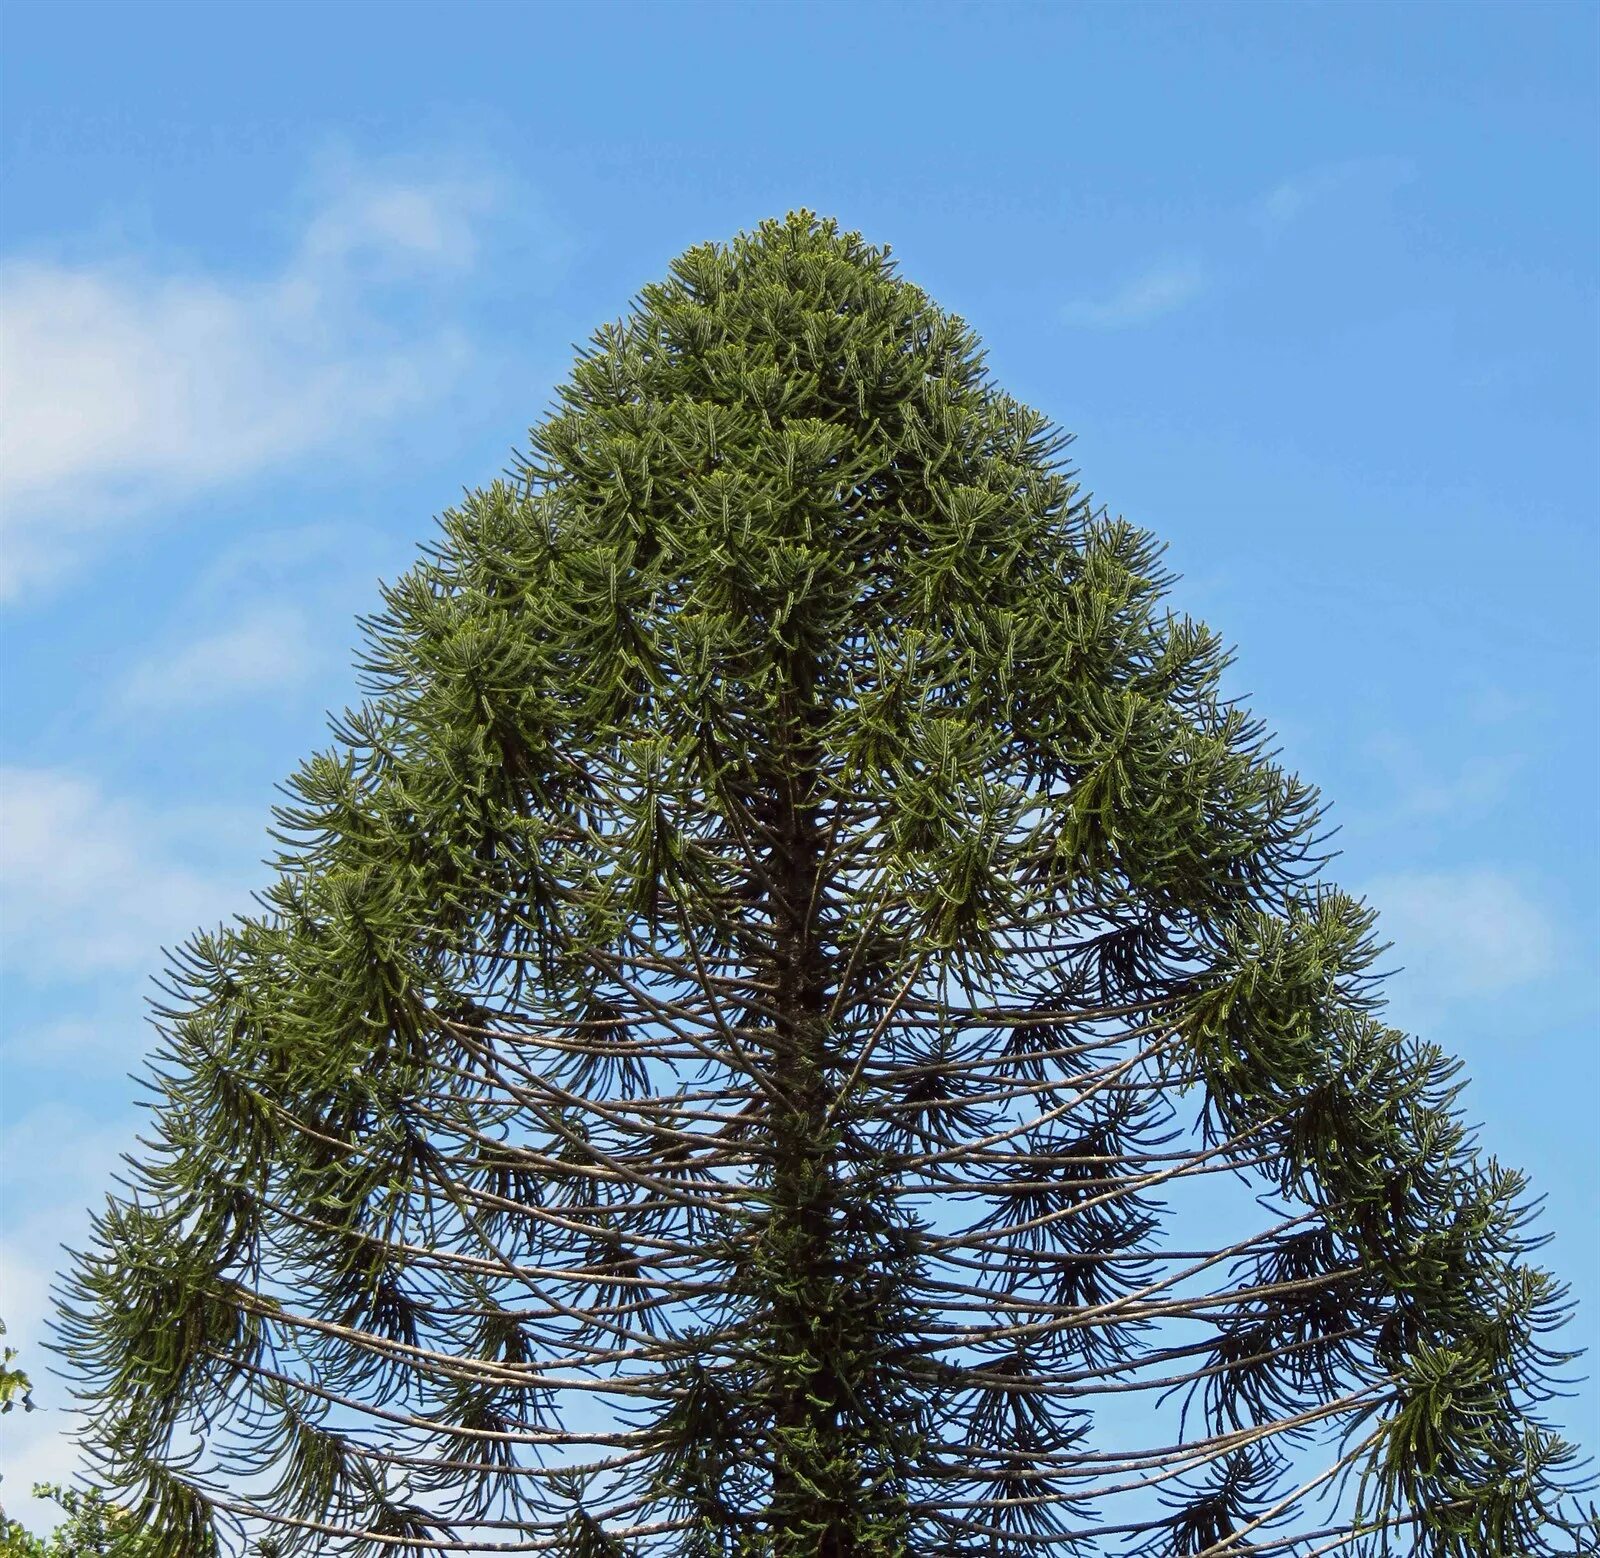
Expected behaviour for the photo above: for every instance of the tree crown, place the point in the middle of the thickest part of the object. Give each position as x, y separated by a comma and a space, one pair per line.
793, 930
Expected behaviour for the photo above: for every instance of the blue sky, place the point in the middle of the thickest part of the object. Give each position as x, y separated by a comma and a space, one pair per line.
1315, 286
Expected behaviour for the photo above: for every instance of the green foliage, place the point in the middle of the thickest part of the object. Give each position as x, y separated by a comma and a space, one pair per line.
758, 1009
15, 1386
93, 1527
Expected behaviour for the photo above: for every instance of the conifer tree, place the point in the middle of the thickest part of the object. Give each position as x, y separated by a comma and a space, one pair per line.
796, 1020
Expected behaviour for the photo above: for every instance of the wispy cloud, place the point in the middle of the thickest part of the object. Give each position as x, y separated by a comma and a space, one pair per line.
270, 648
1293, 197
399, 225
272, 612
92, 884
124, 387
1463, 933
105, 1031
1144, 298
1416, 789
39, 1445
1163, 288
46, 1193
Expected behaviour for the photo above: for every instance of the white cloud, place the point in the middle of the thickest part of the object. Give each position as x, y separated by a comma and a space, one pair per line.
45, 1196
1481, 782
1462, 934
34, 1446
105, 1034
1164, 288
1291, 199
291, 558
1148, 296
268, 648
91, 884
24, 1294
123, 388
43, 1189
1497, 705
272, 611
399, 224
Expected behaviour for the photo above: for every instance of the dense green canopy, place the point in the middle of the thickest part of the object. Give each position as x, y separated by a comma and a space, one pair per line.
797, 1020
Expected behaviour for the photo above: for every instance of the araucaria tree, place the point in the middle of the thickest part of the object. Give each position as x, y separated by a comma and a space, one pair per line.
797, 1020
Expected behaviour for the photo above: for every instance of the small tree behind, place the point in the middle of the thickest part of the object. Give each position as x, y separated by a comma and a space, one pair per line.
93, 1526
762, 1022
